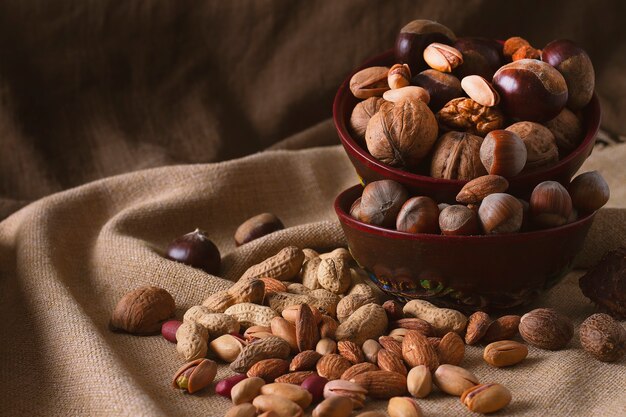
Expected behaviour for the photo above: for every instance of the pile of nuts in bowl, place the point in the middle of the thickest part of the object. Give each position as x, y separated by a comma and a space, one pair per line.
483, 207
481, 107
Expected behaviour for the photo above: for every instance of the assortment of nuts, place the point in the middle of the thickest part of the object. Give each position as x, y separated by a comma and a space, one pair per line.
483, 207
446, 87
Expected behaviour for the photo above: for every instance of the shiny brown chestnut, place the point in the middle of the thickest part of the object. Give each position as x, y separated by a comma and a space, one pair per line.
503, 153
575, 65
441, 87
550, 205
256, 227
480, 57
197, 250
589, 191
530, 90
415, 36
381, 202
458, 220
418, 215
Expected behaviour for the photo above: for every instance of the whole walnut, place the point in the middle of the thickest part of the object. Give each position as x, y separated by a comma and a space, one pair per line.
457, 157
362, 113
401, 134
541, 149
465, 115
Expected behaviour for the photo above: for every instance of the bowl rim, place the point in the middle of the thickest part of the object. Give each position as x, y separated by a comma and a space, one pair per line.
591, 124
348, 220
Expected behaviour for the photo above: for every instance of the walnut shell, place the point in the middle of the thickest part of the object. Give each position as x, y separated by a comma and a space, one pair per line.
466, 115
361, 115
401, 134
540, 145
143, 311
457, 157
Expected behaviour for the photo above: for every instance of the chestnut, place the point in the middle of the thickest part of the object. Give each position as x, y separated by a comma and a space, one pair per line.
197, 250
355, 209
550, 205
458, 220
500, 213
256, 227
481, 57
441, 87
589, 191
415, 36
530, 90
503, 153
418, 215
381, 202
574, 64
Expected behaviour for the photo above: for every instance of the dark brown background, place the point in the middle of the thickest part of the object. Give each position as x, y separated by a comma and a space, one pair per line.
94, 89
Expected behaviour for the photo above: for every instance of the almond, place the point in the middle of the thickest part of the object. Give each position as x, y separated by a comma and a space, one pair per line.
351, 351
359, 368
451, 349
273, 285
304, 361
328, 327
393, 309
477, 189
332, 366
290, 312
503, 328
307, 334
420, 325
387, 361
382, 384
269, 369
392, 345
417, 351
477, 326
434, 342
295, 378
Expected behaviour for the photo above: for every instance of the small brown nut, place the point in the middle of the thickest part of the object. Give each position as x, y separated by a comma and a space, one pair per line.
381, 202
503, 328
410, 92
567, 129
246, 390
404, 407
381, 384
393, 309
486, 398
417, 35
351, 351
546, 329
605, 283
392, 345
273, 286
458, 220
541, 149
399, 76
442, 57
296, 378
315, 385
401, 134
456, 156
347, 389
359, 368
388, 361
304, 361
257, 332
526, 52
550, 205
335, 406
326, 346
480, 90
441, 87
298, 395
503, 153
282, 406
142, 311
417, 351
332, 365
328, 327
399, 333
267, 348
451, 349
370, 350
256, 227
269, 369
477, 326
603, 337
443, 320
504, 353
454, 380
418, 215
411, 323
307, 333
513, 44
290, 313
500, 213
195, 375
419, 381
465, 115
589, 191
368, 322
477, 189
369, 82
227, 347
361, 115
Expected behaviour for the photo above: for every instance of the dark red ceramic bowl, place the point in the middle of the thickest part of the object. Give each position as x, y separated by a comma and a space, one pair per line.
370, 169
465, 272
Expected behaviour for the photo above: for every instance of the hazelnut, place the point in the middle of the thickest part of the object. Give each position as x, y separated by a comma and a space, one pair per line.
603, 337
530, 90
500, 213
503, 153
415, 36
546, 329
526, 52
541, 149
407, 93
477, 189
481, 57
567, 130
458, 220
369, 82
574, 64
442, 57
550, 204
399, 76
256, 227
465, 115
513, 44
361, 115
441, 87
381, 202
401, 134
589, 191
457, 157
355, 209
480, 90
418, 215
197, 250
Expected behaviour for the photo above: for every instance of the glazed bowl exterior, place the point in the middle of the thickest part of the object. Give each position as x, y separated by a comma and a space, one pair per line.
464, 272
370, 169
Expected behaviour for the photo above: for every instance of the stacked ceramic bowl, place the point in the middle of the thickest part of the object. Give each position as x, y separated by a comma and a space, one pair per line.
467, 148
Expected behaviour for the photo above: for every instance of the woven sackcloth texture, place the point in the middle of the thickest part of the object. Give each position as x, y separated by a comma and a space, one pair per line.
66, 260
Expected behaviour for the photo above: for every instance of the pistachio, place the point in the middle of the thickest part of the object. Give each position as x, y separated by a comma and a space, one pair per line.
242, 410
442, 57
348, 389
370, 349
399, 76
281, 406
404, 407
453, 379
295, 393
505, 353
195, 375
369, 82
326, 346
419, 381
480, 90
335, 406
246, 390
410, 92
486, 398
227, 347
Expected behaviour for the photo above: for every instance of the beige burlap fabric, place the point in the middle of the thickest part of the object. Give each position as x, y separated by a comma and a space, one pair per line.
67, 259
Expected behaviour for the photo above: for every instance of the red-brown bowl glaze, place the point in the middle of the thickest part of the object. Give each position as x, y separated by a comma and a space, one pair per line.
465, 272
370, 169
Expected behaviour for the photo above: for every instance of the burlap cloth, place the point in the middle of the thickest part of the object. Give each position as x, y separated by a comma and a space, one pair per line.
67, 259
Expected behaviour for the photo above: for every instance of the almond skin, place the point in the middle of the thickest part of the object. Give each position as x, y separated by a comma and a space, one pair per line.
269, 369
307, 334
477, 326
416, 350
382, 384
359, 368
503, 328
332, 366
304, 361
451, 349
387, 361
